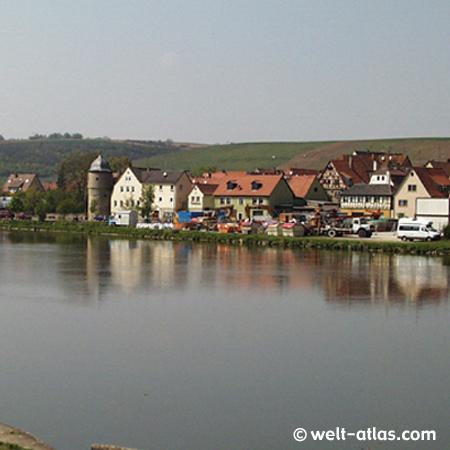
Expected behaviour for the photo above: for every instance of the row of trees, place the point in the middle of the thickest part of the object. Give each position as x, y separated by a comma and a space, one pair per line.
56, 136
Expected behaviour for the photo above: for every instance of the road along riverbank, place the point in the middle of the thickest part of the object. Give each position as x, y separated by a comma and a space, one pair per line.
375, 244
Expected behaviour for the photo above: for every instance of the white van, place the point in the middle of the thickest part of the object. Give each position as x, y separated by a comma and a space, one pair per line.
410, 229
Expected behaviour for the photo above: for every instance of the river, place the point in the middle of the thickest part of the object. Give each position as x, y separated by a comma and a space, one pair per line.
161, 345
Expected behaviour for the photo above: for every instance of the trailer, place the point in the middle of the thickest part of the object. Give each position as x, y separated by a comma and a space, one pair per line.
436, 210
124, 218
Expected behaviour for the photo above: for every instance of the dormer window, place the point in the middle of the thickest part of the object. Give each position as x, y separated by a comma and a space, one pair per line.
256, 185
231, 185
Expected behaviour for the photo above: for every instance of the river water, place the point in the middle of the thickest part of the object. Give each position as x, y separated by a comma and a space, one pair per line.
161, 345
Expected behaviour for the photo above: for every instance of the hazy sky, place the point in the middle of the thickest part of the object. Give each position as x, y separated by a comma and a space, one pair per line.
225, 71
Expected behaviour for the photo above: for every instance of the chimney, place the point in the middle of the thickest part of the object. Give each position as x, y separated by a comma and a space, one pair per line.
350, 163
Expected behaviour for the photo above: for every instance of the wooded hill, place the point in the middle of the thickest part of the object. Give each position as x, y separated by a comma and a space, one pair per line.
44, 156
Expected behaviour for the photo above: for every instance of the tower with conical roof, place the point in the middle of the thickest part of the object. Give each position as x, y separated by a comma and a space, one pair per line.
99, 186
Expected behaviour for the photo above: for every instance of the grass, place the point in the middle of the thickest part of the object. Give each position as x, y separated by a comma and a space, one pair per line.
438, 248
5, 446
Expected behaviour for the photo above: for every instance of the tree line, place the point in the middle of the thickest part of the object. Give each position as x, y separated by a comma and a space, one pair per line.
71, 193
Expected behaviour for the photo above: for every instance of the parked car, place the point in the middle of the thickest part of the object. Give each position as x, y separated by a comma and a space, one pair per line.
23, 216
5, 214
101, 218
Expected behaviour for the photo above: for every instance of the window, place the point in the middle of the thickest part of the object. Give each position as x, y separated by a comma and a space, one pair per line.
128, 188
160, 187
121, 202
171, 199
160, 199
115, 202
171, 187
228, 201
412, 187
121, 188
261, 201
132, 188
403, 203
241, 201
222, 201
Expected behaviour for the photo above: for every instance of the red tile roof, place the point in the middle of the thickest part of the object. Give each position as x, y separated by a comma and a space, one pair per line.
435, 181
301, 185
248, 185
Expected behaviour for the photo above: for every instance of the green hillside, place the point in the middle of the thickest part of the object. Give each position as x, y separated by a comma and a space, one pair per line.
43, 156
311, 155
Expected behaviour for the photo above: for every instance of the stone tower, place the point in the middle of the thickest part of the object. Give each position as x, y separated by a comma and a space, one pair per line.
99, 186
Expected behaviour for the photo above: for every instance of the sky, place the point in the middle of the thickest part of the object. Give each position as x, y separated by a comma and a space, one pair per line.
220, 71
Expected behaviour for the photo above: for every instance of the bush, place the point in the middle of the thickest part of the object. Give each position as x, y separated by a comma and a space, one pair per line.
446, 231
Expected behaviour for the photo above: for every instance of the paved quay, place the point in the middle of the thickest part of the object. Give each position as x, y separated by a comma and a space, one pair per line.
11, 435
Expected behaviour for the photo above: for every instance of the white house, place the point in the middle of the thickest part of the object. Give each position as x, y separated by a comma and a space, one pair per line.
170, 187
201, 197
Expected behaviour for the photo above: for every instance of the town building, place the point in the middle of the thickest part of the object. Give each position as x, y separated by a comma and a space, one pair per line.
170, 189
306, 187
201, 197
99, 187
253, 196
22, 182
420, 182
342, 173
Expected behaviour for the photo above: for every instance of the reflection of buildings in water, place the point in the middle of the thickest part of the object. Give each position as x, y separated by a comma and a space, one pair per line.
421, 278
98, 268
263, 269
377, 277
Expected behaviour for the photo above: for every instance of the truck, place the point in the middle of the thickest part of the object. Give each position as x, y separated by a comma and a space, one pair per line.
124, 218
336, 225
417, 228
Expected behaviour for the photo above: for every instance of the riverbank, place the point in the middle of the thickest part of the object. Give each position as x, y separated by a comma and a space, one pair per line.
438, 248
13, 438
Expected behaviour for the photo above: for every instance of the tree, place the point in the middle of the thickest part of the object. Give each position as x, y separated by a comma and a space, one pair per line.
199, 171
93, 206
146, 200
33, 198
17, 203
119, 163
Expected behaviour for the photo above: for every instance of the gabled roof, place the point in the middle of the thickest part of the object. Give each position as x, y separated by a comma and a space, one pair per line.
301, 184
248, 185
21, 181
157, 176
444, 165
369, 189
215, 177
299, 171
352, 172
435, 181
205, 188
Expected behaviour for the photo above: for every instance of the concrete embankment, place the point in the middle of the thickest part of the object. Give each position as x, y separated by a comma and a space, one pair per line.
11, 435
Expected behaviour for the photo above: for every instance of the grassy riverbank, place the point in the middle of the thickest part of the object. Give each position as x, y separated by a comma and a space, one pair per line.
257, 240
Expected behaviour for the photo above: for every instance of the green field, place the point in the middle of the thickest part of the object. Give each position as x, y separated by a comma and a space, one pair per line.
311, 155
44, 156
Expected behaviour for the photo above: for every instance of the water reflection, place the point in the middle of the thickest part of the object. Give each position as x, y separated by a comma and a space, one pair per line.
356, 277
370, 278
95, 266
